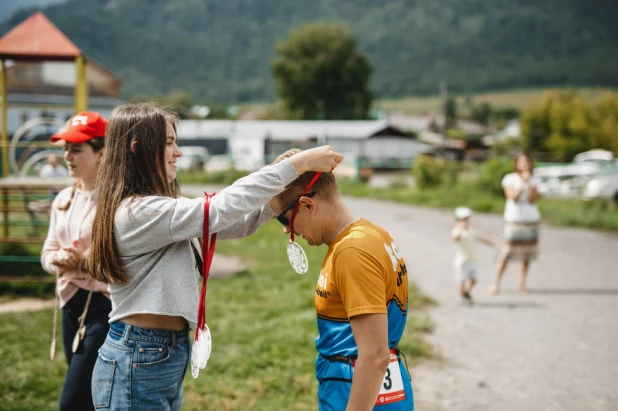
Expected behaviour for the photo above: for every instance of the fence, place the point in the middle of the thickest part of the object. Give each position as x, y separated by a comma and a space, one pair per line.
24, 212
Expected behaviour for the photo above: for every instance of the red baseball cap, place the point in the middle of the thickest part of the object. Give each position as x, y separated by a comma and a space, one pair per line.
82, 127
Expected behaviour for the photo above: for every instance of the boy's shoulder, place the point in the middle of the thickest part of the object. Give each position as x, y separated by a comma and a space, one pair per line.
457, 230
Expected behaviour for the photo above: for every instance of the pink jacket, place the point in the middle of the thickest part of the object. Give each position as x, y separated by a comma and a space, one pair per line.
72, 227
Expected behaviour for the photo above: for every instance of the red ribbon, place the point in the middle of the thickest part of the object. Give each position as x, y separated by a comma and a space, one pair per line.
208, 250
313, 180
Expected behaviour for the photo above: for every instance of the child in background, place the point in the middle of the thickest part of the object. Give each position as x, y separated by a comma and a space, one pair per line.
465, 256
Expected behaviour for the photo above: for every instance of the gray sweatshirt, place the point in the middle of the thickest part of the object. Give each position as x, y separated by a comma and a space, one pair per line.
154, 233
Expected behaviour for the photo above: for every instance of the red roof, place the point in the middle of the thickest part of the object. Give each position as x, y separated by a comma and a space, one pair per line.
37, 39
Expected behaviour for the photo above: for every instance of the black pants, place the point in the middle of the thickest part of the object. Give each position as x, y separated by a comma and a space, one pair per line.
76, 393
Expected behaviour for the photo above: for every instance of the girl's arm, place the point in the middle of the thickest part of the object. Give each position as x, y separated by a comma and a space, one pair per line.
512, 191
485, 241
248, 224
229, 209
533, 194
257, 189
151, 223
51, 246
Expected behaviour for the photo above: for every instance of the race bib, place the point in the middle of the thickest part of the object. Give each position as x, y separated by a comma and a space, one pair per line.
391, 390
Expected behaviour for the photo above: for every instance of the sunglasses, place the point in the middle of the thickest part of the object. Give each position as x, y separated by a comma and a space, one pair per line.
282, 218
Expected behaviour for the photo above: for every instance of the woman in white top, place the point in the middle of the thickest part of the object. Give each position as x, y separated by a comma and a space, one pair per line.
142, 245
521, 221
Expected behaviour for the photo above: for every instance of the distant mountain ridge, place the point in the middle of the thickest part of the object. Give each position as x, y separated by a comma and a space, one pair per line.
8, 7
220, 50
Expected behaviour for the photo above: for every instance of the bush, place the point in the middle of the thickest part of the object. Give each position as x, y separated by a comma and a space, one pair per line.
491, 174
430, 173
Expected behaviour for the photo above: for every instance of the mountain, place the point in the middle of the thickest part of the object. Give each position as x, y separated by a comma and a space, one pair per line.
8, 7
219, 50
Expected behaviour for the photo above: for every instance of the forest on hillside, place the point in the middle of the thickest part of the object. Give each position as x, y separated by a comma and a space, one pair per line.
220, 50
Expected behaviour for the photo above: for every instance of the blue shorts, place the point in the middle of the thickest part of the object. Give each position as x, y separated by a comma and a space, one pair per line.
140, 369
335, 379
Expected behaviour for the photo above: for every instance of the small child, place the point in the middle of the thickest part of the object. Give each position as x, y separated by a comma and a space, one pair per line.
465, 256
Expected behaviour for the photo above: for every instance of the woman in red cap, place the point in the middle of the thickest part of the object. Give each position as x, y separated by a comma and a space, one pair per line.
84, 301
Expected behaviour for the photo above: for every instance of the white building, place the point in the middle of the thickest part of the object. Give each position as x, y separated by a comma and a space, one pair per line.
252, 143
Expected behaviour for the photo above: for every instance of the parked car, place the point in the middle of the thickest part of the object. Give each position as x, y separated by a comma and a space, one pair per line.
571, 180
194, 158
603, 185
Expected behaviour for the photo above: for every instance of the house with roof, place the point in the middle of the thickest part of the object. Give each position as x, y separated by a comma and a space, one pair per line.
429, 129
45, 79
253, 143
45, 89
41, 75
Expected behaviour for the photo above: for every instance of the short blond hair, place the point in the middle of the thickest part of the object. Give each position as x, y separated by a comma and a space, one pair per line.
325, 186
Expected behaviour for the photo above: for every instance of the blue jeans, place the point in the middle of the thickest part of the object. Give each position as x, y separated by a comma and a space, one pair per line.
140, 369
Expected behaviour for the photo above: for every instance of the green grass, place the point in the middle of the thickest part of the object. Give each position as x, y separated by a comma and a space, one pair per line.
263, 326
225, 177
597, 214
420, 105
499, 100
28, 379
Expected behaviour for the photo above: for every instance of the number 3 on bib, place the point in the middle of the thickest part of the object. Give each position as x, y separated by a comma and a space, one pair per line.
391, 389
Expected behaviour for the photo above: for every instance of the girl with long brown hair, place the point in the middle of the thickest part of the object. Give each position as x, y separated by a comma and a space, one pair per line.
142, 245
84, 301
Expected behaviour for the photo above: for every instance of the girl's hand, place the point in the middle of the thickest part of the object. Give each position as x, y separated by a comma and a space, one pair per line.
67, 258
83, 262
322, 158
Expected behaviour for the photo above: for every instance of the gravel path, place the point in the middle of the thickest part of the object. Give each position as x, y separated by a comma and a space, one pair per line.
553, 349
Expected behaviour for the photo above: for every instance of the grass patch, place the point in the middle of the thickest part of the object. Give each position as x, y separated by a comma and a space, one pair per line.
518, 99
263, 325
28, 379
225, 177
597, 214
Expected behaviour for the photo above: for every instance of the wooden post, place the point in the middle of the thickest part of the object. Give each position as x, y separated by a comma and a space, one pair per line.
5, 213
81, 85
5, 137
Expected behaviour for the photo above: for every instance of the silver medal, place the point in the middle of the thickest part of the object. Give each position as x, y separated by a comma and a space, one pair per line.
200, 352
298, 258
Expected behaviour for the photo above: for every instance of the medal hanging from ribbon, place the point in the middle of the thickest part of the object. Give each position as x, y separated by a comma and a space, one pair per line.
296, 254
202, 344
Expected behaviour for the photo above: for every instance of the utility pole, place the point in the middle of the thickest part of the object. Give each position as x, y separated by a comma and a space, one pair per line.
443, 109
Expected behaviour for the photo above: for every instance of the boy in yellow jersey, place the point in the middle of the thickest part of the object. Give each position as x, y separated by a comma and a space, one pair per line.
361, 298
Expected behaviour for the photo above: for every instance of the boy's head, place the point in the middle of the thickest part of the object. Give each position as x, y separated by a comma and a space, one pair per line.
462, 215
315, 208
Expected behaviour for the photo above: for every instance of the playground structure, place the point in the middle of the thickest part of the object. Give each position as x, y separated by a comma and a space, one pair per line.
25, 201
37, 40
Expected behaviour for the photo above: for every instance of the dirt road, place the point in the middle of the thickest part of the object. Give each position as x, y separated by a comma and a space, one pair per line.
553, 349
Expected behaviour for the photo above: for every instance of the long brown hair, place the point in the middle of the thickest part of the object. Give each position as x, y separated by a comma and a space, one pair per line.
96, 144
126, 174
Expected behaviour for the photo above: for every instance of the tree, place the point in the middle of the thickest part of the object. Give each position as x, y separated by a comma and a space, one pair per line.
180, 102
481, 113
565, 124
320, 73
450, 113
